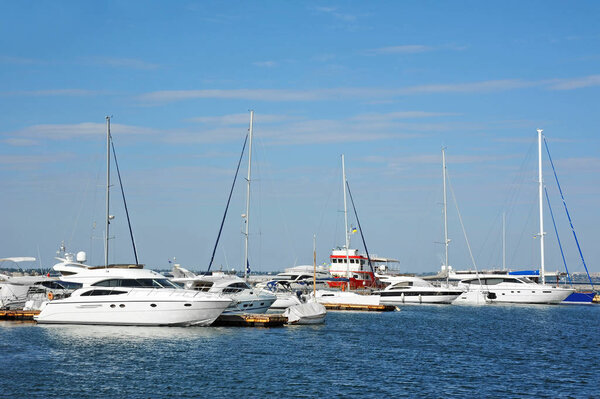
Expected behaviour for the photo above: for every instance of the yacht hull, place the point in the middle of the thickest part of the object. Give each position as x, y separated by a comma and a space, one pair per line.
137, 312
528, 295
418, 297
255, 306
347, 298
519, 293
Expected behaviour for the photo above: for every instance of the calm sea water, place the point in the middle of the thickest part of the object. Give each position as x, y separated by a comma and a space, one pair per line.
421, 351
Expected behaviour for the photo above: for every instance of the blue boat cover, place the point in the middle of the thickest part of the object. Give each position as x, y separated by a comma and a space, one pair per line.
525, 273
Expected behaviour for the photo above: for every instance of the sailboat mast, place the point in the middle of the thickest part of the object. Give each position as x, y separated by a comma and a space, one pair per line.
315, 266
107, 190
541, 189
346, 222
503, 240
247, 215
446, 240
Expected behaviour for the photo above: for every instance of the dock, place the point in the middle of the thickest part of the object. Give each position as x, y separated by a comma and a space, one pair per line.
250, 320
18, 314
361, 308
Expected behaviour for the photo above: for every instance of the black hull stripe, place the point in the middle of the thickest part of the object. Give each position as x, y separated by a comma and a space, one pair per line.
424, 293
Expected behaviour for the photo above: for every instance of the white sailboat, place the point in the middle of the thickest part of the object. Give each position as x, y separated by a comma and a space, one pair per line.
127, 296
244, 299
519, 289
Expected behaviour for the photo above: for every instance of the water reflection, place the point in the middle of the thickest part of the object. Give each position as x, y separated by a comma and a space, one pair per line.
89, 333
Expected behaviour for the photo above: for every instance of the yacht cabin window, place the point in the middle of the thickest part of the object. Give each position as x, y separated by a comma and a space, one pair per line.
137, 283
97, 292
202, 285
235, 287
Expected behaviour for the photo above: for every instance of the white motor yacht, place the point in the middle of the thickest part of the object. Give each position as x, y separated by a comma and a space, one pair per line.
245, 299
409, 289
509, 289
137, 297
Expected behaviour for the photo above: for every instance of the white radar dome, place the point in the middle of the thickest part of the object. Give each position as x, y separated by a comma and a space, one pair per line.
81, 257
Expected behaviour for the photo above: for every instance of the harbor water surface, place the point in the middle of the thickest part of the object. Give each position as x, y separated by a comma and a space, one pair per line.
420, 351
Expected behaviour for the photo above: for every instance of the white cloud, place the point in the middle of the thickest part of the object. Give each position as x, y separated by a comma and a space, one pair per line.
343, 93
17, 60
401, 115
265, 64
81, 130
575, 83
582, 164
472, 87
333, 11
241, 119
130, 63
53, 92
21, 142
30, 161
404, 49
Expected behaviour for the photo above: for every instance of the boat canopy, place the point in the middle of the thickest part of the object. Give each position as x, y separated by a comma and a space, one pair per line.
19, 259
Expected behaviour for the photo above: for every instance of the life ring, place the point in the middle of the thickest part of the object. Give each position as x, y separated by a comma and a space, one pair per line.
50, 296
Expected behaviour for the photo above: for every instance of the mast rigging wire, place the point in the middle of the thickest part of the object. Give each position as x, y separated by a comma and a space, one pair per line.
212, 258
124, 201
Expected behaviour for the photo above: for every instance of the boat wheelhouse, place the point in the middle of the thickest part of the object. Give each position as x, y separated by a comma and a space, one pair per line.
350, 266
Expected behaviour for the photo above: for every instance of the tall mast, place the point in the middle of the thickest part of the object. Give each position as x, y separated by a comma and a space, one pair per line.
247, 215
107, 190
541, 189
315, 266
503, 240
346, 222
446, 240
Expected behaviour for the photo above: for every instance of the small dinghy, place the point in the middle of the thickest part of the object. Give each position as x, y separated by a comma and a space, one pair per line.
306, 313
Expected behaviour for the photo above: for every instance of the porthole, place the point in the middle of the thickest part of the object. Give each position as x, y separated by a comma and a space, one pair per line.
245, 305
262, 304
153, 305
113, 305
187, 304
121, 305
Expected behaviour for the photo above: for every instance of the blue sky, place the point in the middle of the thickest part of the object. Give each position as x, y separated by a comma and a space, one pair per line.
388, 84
